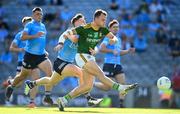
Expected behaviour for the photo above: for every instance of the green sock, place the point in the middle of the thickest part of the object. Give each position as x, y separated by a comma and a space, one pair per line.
116, 86
67, 97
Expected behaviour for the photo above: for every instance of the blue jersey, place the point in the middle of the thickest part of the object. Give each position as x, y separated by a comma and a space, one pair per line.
37, 45
69, 49
20, 44
110, 57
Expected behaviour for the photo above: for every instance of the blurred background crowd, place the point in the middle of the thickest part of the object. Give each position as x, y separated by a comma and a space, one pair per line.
151, 26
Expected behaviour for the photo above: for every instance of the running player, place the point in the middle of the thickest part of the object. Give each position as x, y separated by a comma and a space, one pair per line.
35, 53
88, 37
63, 65
17, 46
112, 64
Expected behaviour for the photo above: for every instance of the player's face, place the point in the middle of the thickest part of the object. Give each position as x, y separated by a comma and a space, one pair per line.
80, 22
115, 28
37, 16
101, 20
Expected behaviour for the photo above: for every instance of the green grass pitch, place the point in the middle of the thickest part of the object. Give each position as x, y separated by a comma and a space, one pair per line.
45, 110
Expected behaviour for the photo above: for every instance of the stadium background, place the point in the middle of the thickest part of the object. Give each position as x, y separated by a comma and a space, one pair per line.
152, 28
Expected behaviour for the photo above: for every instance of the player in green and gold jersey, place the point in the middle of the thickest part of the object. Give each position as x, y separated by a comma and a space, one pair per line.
88, 37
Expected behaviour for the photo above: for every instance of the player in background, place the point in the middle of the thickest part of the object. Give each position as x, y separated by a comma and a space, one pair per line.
88, 37
63, 65
17, 46
35, 54
112, 61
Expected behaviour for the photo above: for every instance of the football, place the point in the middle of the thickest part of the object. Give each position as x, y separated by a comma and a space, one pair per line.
164, 83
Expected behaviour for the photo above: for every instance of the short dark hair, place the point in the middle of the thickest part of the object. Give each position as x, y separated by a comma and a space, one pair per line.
98, 12
26, 19
76, 17
111, 23
37, 9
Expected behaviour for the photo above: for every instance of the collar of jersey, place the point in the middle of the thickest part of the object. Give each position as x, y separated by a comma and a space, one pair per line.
93, 27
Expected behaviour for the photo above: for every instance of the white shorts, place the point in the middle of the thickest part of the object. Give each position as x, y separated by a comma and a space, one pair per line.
82, 58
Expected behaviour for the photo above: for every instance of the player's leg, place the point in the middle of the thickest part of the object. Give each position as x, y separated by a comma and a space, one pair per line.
35, 74
53, 80
18, 70
85, 87
102, 86
46, 67
18, 78
62, 69
94, 69
108, 70
21, 76
121, 79
81, 89
59, 74
88, 63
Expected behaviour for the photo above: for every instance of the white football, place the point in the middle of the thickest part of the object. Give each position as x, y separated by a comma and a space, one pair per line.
164, 83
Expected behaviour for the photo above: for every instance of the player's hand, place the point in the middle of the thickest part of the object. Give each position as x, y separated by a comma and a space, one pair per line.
58, 47
131, 50
68, 35
92, 51
21, 49
112, 41
39, 34
65, 36
115, 52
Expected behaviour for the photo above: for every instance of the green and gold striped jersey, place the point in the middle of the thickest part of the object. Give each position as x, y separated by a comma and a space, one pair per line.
88, 37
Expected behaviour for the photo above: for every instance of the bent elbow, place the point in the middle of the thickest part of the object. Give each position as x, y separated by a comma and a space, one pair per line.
10, 48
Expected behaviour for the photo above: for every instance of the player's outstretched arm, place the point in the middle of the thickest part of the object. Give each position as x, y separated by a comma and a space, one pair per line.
113, 38
94, 51
14, 48
104, 49
124, 52
70, 35
58, 47
25, 36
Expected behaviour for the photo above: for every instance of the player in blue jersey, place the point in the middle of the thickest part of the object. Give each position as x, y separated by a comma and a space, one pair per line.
112, 61
63, 65
35, 54
17, 46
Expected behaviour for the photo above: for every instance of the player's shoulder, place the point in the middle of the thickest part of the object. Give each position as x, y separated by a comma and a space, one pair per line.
67, 30
29, 23
87, 26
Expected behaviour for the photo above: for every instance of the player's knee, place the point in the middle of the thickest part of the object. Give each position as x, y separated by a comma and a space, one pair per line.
78, 73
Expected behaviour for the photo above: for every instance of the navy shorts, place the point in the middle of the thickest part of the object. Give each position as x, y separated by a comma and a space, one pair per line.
111, 70
59, 65
32, 61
